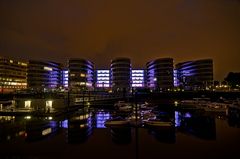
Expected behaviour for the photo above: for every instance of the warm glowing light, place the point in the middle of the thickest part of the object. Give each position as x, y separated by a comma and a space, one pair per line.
176, 103
82, 125
46, 131
82, 83
82, 75
49, 104
27, 117
27, 104
47, 68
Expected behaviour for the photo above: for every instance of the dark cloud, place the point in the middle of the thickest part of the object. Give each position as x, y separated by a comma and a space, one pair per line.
140, 29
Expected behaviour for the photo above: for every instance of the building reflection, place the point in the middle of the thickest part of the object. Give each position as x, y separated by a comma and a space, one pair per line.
166, 135
234, 117
121, 135
101, 117
162, 133
11, 128
79, 128
38, 129
200, 126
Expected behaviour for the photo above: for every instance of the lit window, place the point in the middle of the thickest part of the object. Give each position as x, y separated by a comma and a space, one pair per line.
47, 68
82, 75
49, 104
23, 64
27, 104
46, 131
82, 83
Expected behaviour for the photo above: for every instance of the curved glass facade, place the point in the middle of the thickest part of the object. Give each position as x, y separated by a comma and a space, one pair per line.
195, 75
160, 74
81, 74
44, 75
121, 74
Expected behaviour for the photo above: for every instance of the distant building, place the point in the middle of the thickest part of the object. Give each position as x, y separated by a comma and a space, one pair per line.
175, 78
195, 75
121, 74
44, 75
160, 74
138, 78
13, 75
81, 74
65, 78
102, 79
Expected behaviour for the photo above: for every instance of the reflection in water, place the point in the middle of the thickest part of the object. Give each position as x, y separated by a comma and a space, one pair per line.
37, 129
11, 128
163, 130
121, 135
179, 116
198, 125
234, 117
79, 128
64, 124
163, 135
101, 117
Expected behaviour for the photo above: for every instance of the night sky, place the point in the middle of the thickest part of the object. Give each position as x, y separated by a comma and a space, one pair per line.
142, 30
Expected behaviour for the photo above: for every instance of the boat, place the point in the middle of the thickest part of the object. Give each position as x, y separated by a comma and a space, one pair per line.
235, 104
146, 106
120, 104
135, 119
195, 102
159, 123
216, 107
148, 116
118, 121
123, 106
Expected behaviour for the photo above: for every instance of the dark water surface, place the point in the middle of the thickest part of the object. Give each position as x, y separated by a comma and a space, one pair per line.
84, 136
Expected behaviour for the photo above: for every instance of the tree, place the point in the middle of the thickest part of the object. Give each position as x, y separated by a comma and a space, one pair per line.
233, 79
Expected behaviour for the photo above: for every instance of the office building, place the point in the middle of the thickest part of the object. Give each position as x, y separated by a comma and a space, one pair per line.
102, 78
44, 75
138, 78
81, 74
121, 74
195, 75
160, 74
13, 75
175, 78
65, 78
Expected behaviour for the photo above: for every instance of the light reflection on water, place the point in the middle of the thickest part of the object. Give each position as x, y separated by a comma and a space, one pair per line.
87, 128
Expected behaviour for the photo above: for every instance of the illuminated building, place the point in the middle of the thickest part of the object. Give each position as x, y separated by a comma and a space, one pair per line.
102, 78
44, 75
13, 75
81, 74
138, 78
160, 74
65, 78
121, 74
195, 75
175, 78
